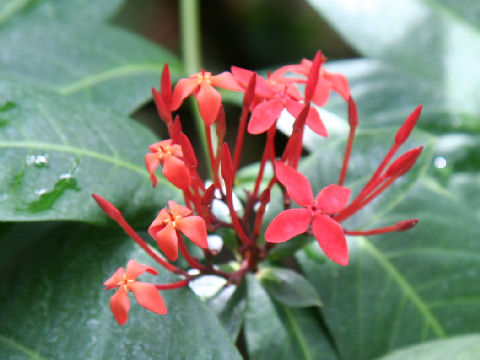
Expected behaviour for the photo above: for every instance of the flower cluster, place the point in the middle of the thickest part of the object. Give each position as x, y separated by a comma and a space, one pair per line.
298, 89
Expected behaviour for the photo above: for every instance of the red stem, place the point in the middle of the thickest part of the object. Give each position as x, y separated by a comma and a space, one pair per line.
240, 136
175, 285
268, 152
193, 262
346, 158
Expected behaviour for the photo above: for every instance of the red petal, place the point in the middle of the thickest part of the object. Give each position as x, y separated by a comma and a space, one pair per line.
287, 224
264, 116
148, 296
331, 238
315, 123
152, 161
332, 199
166, 84
162, 108
297, 185
178, 210
115, 279
135, 269
322, 92
262, 88
120, 305
227, 81
182, 90
167, 240
339, 84
176, 172
209, 102
194, 228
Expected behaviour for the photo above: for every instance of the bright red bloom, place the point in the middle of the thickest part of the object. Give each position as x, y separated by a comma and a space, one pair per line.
167, 226
289, 223
202, 86
170, 156
146, 294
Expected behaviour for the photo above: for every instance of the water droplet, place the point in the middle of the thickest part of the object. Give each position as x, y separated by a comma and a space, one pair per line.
41, 192
440, 162
39, 160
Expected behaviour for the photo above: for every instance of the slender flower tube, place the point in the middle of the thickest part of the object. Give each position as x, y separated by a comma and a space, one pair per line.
146, 294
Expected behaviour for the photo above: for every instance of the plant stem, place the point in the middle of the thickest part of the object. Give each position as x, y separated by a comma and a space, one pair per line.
190, 41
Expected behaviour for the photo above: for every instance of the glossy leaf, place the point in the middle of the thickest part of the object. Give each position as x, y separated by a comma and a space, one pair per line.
73, 53
289, 287
408, 287
54, 306
465, 347
229, 306
434, 40
385, 93
274, 331
56, 152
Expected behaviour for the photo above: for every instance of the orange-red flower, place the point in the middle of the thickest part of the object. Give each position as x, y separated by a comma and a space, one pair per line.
202, 86
170, 157
146, 294
167, 226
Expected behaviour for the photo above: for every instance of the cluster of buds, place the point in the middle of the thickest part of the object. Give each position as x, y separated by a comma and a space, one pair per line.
264, 100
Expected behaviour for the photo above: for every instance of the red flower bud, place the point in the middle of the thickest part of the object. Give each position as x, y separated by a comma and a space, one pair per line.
407, 127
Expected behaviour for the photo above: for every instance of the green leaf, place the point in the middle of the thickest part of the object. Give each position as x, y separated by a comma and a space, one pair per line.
55, 153
274, 331
71, 11
229, 306
465, 347
466, 187
288, 287
432, 40
408, 287
85, 60
54, 306
385, 94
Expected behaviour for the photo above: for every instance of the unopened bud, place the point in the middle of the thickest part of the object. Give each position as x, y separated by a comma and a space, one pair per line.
313, 76
352, 113
406, 225
227, 166
108, 208
404, 163
404, 132
250, 91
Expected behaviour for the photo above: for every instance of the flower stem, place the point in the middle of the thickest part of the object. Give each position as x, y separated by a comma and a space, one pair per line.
190, 42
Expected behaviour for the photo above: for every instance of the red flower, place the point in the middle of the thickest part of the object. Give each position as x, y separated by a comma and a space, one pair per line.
167, 226
202, 86
146, 294
327, 81
170, 156
289, 223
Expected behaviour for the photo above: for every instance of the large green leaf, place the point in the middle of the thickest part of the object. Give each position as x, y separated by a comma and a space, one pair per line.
56, 152
386, 93
82, 58
404, 288
433, 40
458, 348
54, 306
274, 331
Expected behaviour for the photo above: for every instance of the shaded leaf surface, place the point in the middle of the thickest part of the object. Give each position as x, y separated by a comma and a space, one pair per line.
458, 348
437, 41
274, 331
54, 307
289, 287
404, 288
77, 55
229, 306
55, 153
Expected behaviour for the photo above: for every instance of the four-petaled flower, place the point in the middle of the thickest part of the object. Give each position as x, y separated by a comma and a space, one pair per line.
170, 156
167, 226
289, 223
202, 86
146, 294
